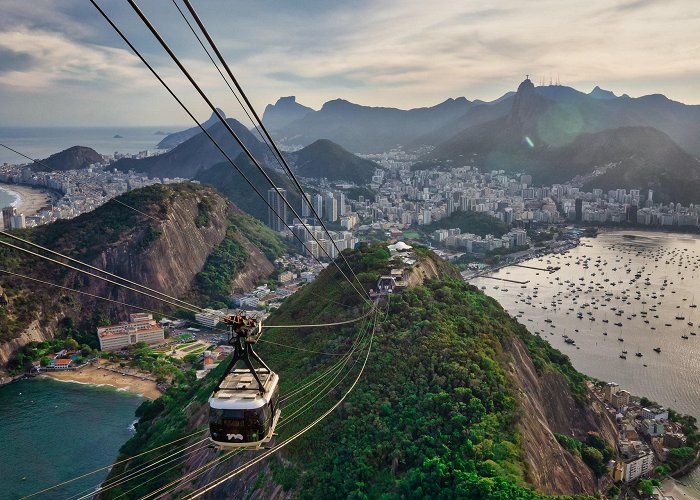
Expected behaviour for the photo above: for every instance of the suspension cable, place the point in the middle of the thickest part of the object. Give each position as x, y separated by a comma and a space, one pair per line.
319, 325
71, 259
79, 291
283, 163
191, 474
25, 250
228, 127
354, 346
151, 478
206, 132
217, 461
245, 110
209, 465
275, 449
142, 470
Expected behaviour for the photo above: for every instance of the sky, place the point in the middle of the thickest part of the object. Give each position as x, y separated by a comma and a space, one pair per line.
61, 64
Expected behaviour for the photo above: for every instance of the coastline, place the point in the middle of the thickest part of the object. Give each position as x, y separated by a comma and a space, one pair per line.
29, 200
672, 488
95, 375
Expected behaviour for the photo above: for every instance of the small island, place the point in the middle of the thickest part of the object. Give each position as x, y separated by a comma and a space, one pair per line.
117, 136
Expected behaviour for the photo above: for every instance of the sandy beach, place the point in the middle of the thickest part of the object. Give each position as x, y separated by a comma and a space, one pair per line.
672, 489
100, 376
31, 199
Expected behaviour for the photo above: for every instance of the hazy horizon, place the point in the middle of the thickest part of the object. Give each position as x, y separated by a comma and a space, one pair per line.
71, 69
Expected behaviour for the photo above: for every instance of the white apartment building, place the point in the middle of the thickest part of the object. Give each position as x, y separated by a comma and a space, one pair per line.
141, 327
208, 319
638, 467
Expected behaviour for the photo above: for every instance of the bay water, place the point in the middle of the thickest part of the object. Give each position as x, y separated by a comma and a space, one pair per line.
54, 431
614, 296
42, 142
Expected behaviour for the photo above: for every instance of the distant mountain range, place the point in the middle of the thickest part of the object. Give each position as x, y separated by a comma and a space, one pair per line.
556, 133
197, 153
362, 129
177, 138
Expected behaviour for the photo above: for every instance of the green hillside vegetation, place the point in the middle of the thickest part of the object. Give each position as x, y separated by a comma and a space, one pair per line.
230, 257
434, 414
116, 226
327, 159
470, 222
83, 238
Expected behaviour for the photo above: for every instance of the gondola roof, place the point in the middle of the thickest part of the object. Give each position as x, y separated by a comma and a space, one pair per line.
239, 390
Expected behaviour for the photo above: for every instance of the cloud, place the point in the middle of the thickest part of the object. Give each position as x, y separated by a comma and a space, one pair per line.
403, 53
46, 59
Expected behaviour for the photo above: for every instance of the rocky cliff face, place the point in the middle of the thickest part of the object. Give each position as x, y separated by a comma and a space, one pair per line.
547, 406
178, 253
163, 250
395, 409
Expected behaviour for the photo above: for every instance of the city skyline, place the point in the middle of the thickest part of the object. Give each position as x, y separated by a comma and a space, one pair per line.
71, 69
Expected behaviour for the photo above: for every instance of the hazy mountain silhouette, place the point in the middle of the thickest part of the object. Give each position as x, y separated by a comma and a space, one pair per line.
542, 136
177, 138
197, 153
283, 112
327, 159
565, 113
364, 129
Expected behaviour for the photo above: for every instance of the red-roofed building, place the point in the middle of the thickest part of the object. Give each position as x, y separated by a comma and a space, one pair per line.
62, 364
209, 363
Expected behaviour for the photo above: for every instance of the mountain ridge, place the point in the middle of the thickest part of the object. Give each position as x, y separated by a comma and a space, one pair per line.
545, 135
285, 111
437, 364
73, 158
166, 252
324, 158
177, 138
197, 153
365, 129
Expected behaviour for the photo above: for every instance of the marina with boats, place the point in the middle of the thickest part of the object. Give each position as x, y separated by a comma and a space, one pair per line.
618, 290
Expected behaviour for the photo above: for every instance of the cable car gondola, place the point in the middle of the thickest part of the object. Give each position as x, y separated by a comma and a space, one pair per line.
243, 411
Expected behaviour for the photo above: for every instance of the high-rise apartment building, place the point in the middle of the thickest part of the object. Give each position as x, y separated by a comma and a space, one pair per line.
7, 214
275, 197
331, 207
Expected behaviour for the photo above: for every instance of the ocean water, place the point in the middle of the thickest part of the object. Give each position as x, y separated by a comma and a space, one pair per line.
653, 278
42, 142
598, 277
54, 431
7, 198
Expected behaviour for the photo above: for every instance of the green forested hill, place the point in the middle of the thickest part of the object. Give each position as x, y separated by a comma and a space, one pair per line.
185, 239
471, 222
324, 158
435, 414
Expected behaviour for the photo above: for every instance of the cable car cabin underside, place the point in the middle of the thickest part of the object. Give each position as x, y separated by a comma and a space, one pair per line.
240, 414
